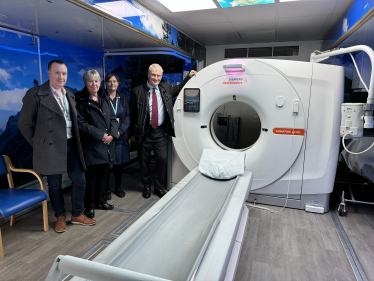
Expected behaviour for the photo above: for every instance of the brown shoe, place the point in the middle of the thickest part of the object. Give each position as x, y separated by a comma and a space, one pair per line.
60, 225
83, 220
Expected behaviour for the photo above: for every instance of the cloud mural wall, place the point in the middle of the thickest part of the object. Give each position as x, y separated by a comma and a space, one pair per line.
19, 71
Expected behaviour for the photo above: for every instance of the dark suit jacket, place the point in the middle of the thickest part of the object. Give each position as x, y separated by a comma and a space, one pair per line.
43, 125
139, 108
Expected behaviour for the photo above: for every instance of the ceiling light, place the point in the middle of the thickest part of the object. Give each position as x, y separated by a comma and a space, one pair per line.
190, 5
2, 17
238, 3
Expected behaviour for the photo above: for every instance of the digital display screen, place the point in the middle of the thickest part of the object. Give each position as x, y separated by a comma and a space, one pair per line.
192, 100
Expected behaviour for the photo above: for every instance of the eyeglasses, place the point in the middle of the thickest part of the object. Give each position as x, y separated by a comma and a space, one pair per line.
112, 82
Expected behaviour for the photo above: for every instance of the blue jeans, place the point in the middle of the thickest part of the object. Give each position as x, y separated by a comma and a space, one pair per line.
76, 174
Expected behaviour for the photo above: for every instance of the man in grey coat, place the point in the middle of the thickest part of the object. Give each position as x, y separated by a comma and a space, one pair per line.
48, 121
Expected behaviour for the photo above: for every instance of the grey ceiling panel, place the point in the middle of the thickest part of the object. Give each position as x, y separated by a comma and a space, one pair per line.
333, 19
297, 34
225, 42
260, 35
216, 28
188, 30
342, 6
222, 36
255, 12
305, 8
323, 33
254, 41
203, 17
173, 19
302, 22
255, 25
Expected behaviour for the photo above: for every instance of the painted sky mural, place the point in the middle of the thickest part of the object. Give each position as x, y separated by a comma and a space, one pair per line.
19, 69
77, 59
136, 15
237, 3
355, 12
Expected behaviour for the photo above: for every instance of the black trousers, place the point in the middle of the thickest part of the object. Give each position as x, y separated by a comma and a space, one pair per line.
76, 174
157, 139
96, 177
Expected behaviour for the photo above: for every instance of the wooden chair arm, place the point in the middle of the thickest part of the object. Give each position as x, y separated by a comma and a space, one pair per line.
10, 167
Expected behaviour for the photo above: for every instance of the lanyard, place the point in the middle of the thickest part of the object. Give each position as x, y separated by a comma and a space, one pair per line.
65, 105
115, 109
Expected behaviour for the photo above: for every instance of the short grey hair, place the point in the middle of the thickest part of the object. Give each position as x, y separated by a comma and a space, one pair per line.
91, 73
156, 66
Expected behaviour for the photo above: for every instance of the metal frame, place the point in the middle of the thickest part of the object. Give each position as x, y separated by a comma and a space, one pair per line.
348, 248
342, 210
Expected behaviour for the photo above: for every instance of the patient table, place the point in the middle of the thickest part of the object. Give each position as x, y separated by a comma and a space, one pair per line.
193, 233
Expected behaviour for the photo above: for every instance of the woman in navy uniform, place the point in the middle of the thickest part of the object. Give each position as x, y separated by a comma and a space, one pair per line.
121, 109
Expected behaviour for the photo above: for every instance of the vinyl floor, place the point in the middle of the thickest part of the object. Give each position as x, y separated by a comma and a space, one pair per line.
291, 245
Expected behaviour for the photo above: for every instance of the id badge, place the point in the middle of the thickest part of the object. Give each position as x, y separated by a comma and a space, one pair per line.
68, 124
118, 120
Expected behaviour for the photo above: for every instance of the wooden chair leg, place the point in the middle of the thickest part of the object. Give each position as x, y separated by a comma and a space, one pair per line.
45, 215
12, 220
1, 246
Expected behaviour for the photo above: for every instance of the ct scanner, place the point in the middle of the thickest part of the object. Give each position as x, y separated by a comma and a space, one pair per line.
294, 158
298, 104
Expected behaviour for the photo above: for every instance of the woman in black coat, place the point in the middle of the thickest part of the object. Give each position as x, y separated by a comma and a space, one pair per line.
98, 128
120, 107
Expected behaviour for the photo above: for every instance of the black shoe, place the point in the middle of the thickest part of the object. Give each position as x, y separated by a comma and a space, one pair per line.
105, 206
108, 195
89, 213
147, 191
120, 193
160, 192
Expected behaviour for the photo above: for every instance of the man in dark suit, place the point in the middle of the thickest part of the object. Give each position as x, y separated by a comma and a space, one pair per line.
151, 117
48, 121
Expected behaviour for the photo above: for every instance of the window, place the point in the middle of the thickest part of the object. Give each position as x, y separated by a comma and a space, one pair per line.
236, 53
287, 51
258, 52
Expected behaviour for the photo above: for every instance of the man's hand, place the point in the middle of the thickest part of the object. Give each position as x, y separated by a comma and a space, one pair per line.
119, 134
108, 140
192, 73
104, 137
132, 138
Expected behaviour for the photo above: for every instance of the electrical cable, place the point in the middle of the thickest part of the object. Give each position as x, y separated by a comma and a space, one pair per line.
362, 81
358, 72
355, 152
289, 181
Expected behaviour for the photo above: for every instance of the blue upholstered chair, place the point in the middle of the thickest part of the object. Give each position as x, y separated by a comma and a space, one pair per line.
13, 200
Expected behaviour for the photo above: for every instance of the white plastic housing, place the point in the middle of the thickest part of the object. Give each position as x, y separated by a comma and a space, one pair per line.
352, 120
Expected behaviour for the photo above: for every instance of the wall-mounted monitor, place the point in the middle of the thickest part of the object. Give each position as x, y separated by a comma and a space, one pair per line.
191, 100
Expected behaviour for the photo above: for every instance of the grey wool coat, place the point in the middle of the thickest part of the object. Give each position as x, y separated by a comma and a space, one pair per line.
43, 125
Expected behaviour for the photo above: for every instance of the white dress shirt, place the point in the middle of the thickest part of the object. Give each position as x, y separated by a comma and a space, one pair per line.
160, 104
